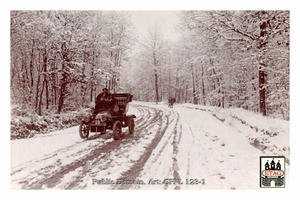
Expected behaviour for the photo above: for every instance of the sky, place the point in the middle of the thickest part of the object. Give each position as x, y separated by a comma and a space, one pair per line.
166, 21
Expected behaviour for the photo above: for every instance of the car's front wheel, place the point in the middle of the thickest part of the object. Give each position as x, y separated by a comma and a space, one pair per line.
84, 130
117, 130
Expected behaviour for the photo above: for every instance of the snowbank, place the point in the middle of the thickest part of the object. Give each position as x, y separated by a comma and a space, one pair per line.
26, 124
271, 135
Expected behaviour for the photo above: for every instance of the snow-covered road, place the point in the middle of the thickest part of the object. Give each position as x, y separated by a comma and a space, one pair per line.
172, 148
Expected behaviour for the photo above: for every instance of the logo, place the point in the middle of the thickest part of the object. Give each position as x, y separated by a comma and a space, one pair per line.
272, 172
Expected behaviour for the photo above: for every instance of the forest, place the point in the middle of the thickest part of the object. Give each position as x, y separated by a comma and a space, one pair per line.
60, 60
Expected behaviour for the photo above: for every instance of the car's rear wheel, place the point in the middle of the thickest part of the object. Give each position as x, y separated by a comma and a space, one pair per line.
84, 130
131, 126
117, 130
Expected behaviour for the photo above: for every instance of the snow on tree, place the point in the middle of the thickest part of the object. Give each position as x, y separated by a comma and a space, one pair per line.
62, 59
244, 44
59, 58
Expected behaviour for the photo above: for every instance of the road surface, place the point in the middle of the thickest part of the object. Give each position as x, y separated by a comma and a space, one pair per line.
172, 148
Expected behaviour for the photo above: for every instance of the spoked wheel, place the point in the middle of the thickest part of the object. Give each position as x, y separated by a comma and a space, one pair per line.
131, 126
84, 130
117, 130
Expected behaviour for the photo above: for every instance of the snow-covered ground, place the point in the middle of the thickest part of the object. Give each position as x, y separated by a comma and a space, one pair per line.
204, 147
269, 134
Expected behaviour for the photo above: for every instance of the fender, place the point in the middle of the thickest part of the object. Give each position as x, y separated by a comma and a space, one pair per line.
128, 116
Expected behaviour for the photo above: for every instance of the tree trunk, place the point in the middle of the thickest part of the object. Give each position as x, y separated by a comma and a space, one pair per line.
31, 71
92, 84
63, 80
262, 90
41, 98
186, 94
156, 87
63, 89
203, 86
23, 78
177, 94
45, 61
261, 72
38, 85
93, 93
197, 89
169, 87
220, 92
61, 95
44, 85
52, 81
194, 91
83, 84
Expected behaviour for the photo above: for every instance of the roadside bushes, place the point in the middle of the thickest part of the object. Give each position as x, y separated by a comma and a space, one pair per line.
25, 124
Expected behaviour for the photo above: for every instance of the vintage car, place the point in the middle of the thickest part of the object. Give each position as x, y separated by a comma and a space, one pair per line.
113, 120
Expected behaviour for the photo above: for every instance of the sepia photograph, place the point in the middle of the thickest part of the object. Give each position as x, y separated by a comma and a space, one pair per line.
149, 99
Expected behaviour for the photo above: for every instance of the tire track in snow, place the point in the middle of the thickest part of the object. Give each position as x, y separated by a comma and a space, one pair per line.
135, 170
175, 144
148, 118
189, 152
162, 156
149, 121
109, 151
40, 175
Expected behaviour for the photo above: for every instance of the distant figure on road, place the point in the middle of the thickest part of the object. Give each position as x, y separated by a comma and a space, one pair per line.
171, 101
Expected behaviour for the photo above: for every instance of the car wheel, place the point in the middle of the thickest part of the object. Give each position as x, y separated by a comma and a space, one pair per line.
117, 130
131, 126
84, 130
